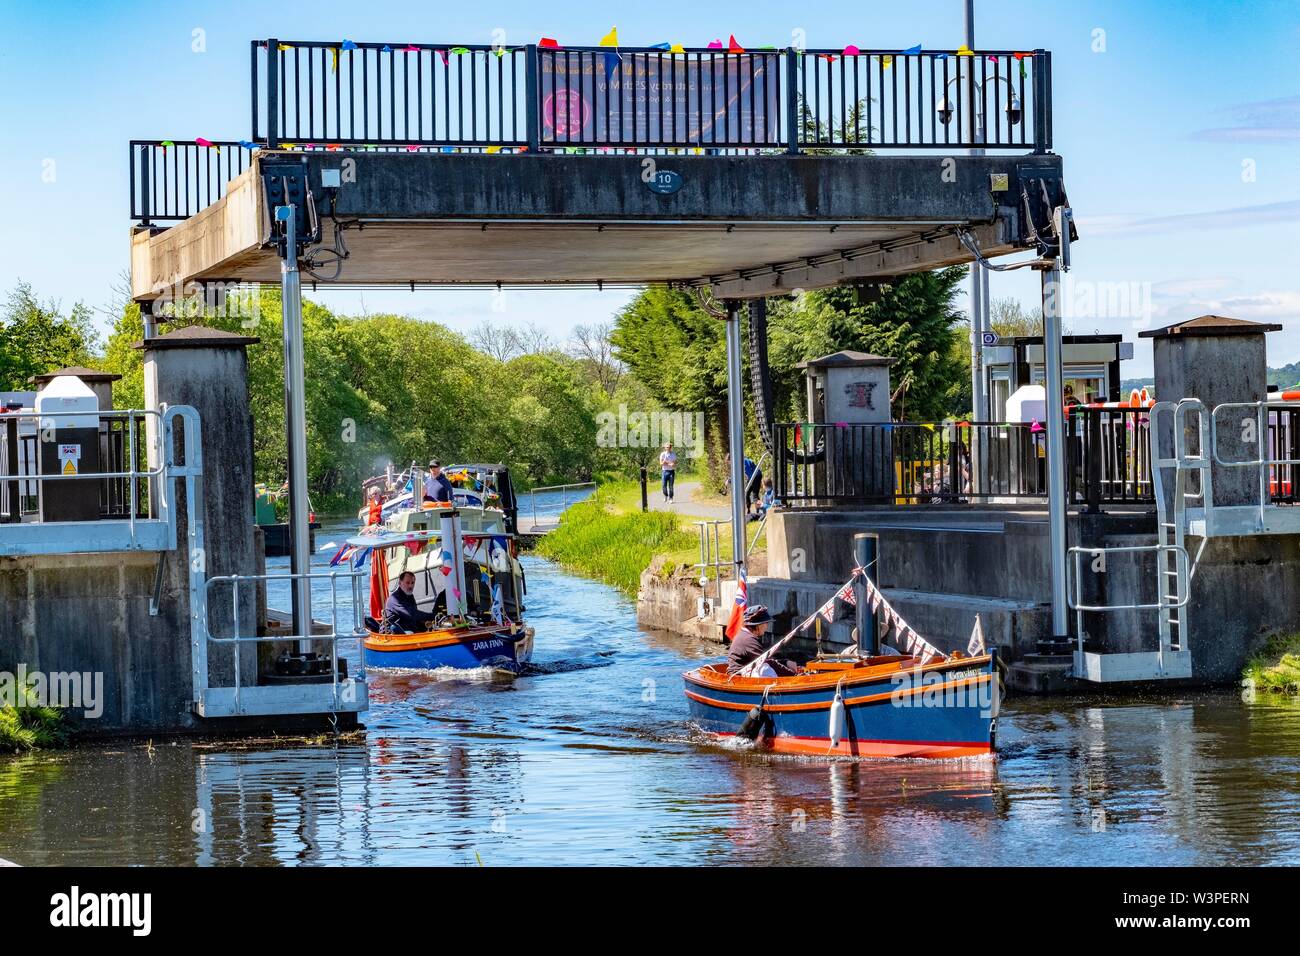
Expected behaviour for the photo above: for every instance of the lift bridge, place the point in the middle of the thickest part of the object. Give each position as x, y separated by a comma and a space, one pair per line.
412, 165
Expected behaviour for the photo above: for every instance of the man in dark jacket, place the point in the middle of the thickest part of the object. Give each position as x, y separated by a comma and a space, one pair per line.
748, 644
436, 486
401, 610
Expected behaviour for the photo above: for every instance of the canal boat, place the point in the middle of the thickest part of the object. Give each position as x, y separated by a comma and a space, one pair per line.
854, 706
464, 556
502, 647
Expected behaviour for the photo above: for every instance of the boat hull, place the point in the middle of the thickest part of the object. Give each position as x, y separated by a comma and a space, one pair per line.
501, 647
894, 708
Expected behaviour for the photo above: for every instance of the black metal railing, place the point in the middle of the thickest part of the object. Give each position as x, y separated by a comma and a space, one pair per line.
174, 179
909, 463
1108, 456
1284, 446
540, 98
341, 95
381, 93
1108, 461
20, 458
880, 99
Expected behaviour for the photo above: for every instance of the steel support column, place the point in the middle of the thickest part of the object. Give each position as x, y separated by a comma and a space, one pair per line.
295, 413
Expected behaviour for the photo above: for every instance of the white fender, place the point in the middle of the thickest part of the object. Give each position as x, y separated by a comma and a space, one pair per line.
837, 719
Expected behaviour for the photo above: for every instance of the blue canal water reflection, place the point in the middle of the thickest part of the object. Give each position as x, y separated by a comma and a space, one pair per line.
589, 758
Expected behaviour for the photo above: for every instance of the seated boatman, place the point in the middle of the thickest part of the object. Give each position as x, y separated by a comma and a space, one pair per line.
401, 610
748, 644
436, 485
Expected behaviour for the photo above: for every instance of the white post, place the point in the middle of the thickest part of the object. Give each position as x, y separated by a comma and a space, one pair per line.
295, 407
736, 430
452, 544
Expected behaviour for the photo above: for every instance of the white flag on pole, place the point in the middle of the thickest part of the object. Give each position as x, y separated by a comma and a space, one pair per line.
975, 647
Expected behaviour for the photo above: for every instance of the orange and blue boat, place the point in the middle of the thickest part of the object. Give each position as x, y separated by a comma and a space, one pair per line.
505, 647
883, 706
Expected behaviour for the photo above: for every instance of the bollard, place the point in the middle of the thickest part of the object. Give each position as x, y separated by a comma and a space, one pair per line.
864, 553
645, 499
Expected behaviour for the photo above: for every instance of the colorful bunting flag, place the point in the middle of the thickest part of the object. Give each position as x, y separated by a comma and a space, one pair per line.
247, 145
911, 49
200, 141
715, 45
887, 60
847, 594
733, 46
611, 59
964, 50
851, 50
349, 45
548, 43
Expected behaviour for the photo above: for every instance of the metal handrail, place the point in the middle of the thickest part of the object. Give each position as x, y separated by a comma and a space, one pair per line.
564, 494
132, 418
1076, 593
333, 636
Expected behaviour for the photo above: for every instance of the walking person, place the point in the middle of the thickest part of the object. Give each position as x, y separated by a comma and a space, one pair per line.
668, 469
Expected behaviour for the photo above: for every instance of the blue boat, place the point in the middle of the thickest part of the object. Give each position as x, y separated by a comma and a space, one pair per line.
856, 706
506, 647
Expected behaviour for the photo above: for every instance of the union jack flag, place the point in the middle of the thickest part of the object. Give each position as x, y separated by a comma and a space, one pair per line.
738, 609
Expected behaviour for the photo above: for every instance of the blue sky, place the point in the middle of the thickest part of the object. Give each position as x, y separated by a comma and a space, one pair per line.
1180, 128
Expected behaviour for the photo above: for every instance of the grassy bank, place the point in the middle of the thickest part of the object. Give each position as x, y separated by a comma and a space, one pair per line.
600, 540
29, 728
609, 538
1277, 666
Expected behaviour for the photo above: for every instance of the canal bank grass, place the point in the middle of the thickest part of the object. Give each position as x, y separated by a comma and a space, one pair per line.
608, 537
1276, 667
599, 541
31, 727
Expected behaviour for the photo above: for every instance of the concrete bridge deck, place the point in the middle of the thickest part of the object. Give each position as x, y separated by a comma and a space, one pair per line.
744, 225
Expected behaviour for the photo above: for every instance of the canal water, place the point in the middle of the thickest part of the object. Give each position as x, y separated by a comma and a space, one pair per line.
589, 758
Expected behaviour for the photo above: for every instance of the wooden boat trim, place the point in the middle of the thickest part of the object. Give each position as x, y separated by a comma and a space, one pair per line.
707, 678
848, 701
427, 640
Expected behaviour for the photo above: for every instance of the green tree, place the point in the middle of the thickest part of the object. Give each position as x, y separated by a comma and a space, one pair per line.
911, 319
677, 350
36, 337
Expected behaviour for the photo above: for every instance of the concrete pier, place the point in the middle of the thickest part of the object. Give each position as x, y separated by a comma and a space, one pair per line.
89, 613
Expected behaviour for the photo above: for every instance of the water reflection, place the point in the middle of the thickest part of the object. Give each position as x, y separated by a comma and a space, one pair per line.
589, 758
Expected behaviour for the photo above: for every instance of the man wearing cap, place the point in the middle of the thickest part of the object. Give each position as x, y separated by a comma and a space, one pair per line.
436, 485
748, 644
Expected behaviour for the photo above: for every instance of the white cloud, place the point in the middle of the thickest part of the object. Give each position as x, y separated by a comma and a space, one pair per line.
1237, 217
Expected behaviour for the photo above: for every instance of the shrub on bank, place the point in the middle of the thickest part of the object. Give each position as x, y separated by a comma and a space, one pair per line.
29, 727
1277, 666
596, 541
